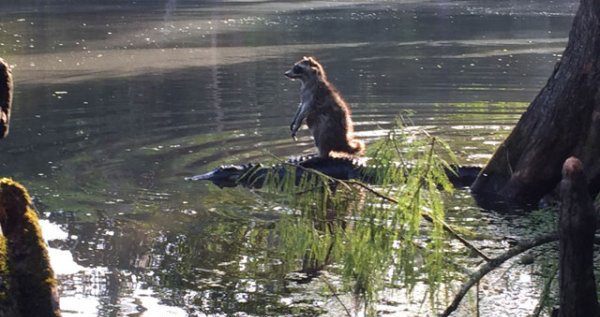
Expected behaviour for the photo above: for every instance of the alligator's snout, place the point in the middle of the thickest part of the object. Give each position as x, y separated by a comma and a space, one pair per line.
202, 177
223, 176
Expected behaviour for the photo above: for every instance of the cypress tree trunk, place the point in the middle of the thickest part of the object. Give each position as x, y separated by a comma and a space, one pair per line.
562, 121
5, 97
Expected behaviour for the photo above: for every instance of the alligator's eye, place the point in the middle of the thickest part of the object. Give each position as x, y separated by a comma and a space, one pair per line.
297, 69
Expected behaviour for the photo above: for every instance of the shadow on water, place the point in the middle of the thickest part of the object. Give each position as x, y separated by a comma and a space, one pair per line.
117, 103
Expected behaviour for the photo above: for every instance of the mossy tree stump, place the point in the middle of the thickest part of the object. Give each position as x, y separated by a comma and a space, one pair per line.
27, 282
577, 225
6, 87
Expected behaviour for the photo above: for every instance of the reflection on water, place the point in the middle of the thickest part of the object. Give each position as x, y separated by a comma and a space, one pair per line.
117, 103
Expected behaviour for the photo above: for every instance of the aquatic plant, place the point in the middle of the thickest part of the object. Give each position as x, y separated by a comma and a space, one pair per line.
376, 235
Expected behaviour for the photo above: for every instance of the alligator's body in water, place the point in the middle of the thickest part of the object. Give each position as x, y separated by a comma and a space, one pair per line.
253, 174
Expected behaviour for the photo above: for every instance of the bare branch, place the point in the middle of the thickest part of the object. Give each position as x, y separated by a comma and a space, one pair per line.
335, 295
476, 276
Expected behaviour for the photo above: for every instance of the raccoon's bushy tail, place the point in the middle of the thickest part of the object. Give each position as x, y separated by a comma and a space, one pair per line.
355, 147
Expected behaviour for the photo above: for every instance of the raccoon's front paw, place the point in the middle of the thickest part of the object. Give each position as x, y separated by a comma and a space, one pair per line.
294, 129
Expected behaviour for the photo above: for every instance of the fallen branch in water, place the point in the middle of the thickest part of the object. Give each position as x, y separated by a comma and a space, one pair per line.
495, 262
335, 295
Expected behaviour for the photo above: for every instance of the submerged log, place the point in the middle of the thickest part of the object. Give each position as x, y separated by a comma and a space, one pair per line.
253, 175
577, 224
27, 283
6, 88
563, 120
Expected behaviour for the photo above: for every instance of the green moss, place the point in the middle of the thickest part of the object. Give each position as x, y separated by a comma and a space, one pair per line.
4, 285
31, 281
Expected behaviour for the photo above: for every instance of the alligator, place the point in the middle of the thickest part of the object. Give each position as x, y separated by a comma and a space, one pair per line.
253, 175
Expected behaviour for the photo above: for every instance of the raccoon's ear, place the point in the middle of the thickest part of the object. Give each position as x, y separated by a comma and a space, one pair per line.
317, 69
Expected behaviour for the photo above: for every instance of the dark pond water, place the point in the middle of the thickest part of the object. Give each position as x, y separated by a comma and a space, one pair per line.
117, 103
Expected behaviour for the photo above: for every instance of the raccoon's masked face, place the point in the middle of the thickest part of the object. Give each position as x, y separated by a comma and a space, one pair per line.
302, 70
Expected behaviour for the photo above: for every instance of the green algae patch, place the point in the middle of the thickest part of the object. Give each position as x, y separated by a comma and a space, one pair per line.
25, 265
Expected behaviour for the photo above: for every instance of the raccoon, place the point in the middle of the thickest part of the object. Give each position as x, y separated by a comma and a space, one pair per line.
327, 114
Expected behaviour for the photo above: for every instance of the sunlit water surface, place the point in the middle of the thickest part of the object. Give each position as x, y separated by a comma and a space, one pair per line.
116, 104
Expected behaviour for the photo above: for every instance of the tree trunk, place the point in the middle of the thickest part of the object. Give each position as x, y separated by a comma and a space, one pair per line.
577, 224
562, 121
5, 97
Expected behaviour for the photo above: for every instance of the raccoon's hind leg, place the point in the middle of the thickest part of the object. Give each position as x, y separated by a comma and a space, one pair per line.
324, 146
